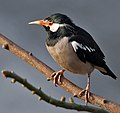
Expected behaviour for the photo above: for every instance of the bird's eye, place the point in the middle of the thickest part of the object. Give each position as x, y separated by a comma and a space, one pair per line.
50, 23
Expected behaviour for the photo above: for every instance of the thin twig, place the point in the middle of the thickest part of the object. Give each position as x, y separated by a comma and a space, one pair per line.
48, 99
47, 71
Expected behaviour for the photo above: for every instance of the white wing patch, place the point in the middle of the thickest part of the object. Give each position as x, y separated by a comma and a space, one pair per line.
76, 45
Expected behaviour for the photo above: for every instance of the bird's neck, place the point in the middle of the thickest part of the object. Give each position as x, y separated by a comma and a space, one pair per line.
54, 37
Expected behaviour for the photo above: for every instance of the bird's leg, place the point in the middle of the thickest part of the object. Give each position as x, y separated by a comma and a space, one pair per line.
57, 76
86, 91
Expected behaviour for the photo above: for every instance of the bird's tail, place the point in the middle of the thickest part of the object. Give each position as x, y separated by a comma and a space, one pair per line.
106, 71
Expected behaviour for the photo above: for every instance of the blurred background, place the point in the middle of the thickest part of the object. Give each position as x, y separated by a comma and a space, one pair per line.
100, 18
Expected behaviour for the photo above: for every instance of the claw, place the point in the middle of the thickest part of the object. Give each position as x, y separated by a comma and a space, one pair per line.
57, 77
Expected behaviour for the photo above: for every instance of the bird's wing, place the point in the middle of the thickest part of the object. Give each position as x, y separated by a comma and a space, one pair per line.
87, 50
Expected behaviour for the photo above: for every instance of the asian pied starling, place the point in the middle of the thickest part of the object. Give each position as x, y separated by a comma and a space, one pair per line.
73, 49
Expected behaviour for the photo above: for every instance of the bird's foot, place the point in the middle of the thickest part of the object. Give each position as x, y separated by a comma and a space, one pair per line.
86, 93
57, 77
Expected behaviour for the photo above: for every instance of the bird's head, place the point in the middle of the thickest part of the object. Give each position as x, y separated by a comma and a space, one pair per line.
54, 22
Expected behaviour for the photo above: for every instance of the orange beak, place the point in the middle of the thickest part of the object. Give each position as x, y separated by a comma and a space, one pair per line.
42, 23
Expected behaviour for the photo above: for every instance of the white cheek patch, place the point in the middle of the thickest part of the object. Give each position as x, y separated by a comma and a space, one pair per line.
54, 27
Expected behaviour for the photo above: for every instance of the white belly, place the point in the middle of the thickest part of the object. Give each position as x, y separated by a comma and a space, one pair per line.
66, 57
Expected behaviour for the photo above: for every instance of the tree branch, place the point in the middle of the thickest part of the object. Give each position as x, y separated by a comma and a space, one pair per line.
48, 99
47, 71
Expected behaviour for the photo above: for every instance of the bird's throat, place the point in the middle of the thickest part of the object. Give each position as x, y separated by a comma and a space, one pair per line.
54, 37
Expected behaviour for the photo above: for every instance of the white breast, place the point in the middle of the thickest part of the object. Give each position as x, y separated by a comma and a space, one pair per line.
63, 53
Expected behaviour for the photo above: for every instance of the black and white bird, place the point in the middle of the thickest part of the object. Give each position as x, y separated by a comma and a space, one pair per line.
73, 49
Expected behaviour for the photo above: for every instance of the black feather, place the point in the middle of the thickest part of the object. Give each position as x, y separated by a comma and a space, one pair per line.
109, 72
95, 57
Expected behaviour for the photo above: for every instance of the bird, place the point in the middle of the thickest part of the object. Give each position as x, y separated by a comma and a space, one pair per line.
74, 49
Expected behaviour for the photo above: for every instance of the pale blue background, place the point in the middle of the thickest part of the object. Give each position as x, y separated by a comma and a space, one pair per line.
101, 18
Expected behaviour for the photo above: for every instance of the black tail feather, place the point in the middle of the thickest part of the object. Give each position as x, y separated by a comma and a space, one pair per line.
109, 72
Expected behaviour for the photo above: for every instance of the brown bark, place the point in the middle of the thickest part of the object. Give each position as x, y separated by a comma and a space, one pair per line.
47, 71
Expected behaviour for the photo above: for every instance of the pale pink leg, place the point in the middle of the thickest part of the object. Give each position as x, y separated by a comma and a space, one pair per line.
86, 91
